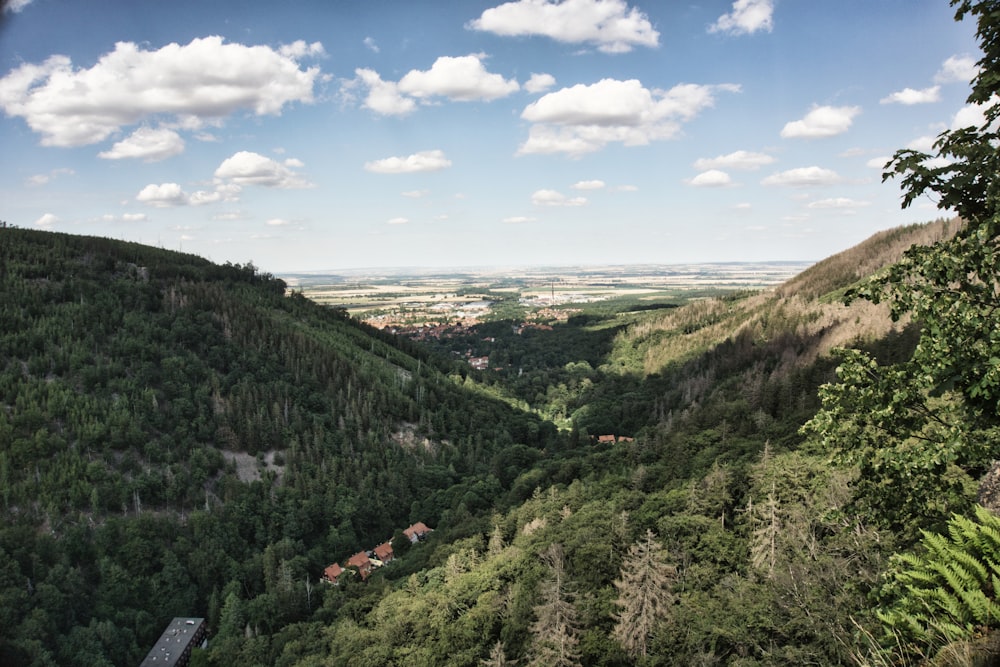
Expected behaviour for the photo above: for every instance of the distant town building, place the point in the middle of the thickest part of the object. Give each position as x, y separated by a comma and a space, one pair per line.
173, 649
480, 363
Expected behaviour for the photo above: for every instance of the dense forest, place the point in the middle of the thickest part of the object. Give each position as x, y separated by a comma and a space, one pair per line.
798, 476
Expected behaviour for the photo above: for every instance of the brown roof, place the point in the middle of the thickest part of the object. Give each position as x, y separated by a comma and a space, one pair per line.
359, 560
333, 571
418, 529
605, 438
383, 551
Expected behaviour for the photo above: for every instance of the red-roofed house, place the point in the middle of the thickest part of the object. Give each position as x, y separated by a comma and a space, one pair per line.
605, 438
383, 552
361, 561
331, 574
417, 531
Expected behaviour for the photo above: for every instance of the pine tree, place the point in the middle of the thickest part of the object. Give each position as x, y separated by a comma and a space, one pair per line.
497, 657
644, 594
554, 631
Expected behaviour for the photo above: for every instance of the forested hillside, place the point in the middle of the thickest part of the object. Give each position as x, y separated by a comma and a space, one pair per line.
142, 390
182, 438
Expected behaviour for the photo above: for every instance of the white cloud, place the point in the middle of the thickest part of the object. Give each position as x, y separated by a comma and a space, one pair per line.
16, 6
202, 197
134, 217
146, 144
278, 222
588, 185
924, 144
164, 195
370, 43
803, 177
398, 221
585, 118
737, 160
822, 121
747, 17
609, 24
434, 160
204, 80
911, 96
462, 79
957, 69
971, 115
383, 96
713, 178
554, 198
415, 194
838, 203
248, 168
47, 220
878, 162
539, 83
627, 188
41, 179
299, 49
518, 219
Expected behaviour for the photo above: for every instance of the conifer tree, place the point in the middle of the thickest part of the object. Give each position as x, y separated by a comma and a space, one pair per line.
644, 594
555, 632
497, 657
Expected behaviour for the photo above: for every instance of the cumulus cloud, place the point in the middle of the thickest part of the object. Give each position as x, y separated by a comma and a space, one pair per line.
204, 80
555, 198
462, 78
610, 25
737, 160
971, 115
398, 221
585, 118
746, 18
278, 222
821, 122
248, 168
163, 195
713, 178
47, 220
838, 203
517, 219
588, 185
911, 96
299, 49
803, 177
957, 69
878, 162
134, 217
415, 194
370, 43
146, 144
539, 83
434, 160
383, 96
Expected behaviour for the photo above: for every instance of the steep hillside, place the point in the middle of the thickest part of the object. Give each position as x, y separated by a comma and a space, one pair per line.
167, 416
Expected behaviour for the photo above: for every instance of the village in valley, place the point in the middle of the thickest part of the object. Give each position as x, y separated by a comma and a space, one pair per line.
363, 563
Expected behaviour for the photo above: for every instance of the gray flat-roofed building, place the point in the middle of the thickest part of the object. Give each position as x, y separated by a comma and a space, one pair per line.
173, 649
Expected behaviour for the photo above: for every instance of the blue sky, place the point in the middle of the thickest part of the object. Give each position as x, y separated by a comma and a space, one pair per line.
325, 135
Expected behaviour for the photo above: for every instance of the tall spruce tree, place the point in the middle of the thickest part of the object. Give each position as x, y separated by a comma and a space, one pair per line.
645, 593
555, 631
